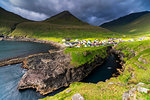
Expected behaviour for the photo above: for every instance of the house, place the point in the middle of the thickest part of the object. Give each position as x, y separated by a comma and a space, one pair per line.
1, 37
63, 40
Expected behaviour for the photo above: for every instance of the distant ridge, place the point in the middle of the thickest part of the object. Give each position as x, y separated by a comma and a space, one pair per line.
65, 17
62, 25
8, 21
6, 15
132, 23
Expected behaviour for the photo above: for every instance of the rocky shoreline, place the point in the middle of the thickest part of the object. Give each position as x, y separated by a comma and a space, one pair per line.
11, 61
57, 45
17, 60
50, 71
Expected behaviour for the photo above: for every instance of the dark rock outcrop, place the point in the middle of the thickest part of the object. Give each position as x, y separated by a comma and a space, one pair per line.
11, 61
120, 59
50, 71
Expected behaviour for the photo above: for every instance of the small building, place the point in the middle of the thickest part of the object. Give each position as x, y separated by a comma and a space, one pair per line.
64, 40
1, 37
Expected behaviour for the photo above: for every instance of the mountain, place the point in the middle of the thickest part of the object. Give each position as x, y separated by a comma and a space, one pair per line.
65, 18
8, 21
9, 16
132, 23
62, 25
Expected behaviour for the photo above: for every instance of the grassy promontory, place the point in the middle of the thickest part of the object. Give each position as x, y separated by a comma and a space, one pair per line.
84, 55
136, 69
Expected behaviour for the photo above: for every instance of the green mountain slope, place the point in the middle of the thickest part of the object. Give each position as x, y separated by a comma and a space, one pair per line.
8, 21
63, 25
65, 18
133, 23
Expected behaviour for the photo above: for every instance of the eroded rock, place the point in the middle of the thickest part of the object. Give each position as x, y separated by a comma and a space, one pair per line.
48, 72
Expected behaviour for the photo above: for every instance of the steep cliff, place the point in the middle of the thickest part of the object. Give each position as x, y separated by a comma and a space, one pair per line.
51, 71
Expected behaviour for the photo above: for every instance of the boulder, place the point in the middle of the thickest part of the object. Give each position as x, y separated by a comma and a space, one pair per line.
129, 95
77, 96
142, 60
139, 84
141, 89
111, 83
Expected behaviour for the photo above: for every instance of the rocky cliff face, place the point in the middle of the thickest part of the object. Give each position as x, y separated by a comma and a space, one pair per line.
50, 71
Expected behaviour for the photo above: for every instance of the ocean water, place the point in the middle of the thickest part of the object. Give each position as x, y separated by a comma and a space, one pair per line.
9, 78
10, 49
103, 72
11, 75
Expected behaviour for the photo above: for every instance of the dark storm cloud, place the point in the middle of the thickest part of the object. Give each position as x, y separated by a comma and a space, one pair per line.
93, 11
145, 3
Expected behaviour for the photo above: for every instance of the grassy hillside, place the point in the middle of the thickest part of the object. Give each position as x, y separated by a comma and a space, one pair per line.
47, 30
66, 25
8, 21
135, 71
63, 25
65, 18
137, 23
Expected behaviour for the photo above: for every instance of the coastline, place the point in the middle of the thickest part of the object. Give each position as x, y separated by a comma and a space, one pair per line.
20, 59
55, 66
56, 44
11, 61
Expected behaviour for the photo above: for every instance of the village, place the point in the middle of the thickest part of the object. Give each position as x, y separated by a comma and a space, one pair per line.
89, 43
96, 43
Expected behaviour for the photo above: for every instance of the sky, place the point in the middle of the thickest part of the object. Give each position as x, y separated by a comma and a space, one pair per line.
94, 12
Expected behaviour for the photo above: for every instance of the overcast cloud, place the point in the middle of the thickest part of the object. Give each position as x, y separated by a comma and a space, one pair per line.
94, 12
